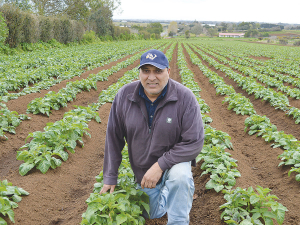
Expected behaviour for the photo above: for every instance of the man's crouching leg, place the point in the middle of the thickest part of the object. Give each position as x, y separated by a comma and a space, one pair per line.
173, 195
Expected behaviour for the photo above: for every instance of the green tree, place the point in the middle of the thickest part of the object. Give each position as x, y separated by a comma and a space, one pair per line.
24, 5
171, 34
45, 27
145, 34
73, 9
223, 26
101, 21
137, 27
3, 29
212, 32
197, 29
173, 28
117, 31
247, 26
76, 9
231, 26
40, 6
187, 34
155, 28
251, 33
14, 20
29, 29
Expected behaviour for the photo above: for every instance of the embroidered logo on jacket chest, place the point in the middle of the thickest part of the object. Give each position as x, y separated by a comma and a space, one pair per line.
169, 120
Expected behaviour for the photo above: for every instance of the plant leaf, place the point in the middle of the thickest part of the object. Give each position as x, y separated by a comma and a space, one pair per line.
25, 168
121, 218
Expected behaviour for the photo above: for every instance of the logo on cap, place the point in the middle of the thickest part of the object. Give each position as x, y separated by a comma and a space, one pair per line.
150, 56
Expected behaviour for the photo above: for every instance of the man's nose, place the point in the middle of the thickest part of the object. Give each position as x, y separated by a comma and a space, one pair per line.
151, 76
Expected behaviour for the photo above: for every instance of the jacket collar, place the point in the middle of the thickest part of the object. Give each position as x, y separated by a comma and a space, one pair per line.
171, 94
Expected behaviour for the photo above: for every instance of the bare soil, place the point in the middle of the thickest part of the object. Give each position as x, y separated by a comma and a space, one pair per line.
58, 197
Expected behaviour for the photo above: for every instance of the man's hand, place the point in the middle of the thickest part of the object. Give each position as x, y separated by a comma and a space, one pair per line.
107, 187
152, 176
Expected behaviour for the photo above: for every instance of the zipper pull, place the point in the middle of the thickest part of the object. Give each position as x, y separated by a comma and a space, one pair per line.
150, 131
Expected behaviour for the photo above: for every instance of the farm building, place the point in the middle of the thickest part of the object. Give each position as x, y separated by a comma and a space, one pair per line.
231, 34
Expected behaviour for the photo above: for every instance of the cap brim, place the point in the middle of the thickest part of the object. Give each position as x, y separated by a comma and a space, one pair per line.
159, 66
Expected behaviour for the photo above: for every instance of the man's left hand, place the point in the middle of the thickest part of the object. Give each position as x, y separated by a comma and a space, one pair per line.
152, 176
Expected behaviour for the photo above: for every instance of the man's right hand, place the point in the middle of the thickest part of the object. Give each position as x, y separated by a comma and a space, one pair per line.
107, 187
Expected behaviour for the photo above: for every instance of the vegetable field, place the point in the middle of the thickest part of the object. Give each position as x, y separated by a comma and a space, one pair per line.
54, 111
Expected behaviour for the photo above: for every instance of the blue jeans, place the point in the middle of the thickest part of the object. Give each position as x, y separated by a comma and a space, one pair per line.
174, 195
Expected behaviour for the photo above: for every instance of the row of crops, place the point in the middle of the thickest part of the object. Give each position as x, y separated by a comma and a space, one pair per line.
261, 124
221, 167
22, 75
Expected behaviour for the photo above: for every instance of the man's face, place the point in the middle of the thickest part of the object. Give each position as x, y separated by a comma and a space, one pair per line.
153, 80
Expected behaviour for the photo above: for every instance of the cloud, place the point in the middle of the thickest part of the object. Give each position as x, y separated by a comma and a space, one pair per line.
212, 10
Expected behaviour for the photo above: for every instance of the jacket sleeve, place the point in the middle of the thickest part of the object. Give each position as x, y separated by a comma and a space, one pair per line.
191, 141
114, 143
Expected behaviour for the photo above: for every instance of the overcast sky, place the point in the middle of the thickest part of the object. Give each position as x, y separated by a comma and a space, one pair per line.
271, 11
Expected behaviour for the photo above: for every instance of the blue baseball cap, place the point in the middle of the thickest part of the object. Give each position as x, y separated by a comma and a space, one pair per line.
155, 58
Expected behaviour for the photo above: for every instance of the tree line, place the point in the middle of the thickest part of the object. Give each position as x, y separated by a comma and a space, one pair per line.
31, 21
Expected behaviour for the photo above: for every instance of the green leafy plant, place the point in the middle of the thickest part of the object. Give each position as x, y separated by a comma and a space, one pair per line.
220, 165
247, 207
206, 119
295, 112
216, 137
296, 168
9, 120
240, 104
259, 124
9, 196
124, 206
3, 29
263, 127
46, 149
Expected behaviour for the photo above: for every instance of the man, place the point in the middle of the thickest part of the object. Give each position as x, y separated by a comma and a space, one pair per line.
161, 121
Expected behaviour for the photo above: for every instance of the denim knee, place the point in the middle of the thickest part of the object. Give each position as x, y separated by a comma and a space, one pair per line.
180, 173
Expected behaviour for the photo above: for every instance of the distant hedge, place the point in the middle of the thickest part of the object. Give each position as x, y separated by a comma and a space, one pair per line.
29, 28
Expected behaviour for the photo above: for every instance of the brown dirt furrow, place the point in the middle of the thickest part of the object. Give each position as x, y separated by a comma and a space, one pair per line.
261, 58
174, 68
257, 161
